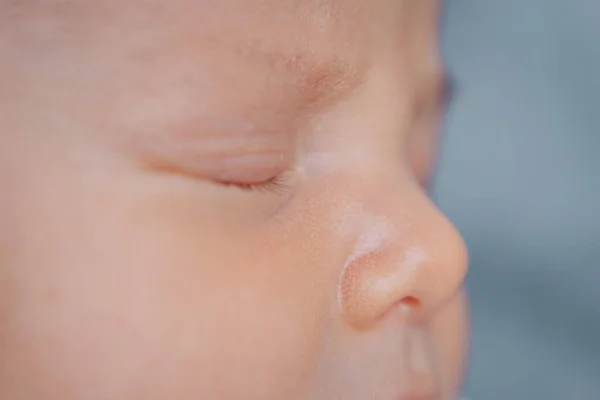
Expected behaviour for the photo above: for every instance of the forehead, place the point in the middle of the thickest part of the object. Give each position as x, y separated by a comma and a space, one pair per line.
253, 51
263, 30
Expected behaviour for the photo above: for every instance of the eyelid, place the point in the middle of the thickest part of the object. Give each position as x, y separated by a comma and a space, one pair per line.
246, 161
248, 169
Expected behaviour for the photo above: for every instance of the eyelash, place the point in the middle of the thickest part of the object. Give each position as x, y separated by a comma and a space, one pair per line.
274, 185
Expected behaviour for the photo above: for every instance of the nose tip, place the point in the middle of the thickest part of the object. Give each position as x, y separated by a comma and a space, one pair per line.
418, 272
443, 273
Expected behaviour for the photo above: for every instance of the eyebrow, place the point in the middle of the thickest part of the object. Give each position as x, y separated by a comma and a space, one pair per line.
319, 79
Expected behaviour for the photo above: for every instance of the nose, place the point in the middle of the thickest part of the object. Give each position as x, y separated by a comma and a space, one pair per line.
409, 257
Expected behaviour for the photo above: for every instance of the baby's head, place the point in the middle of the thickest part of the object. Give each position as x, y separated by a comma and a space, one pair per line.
224, 199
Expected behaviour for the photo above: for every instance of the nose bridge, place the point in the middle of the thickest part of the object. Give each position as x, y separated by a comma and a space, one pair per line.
407, 255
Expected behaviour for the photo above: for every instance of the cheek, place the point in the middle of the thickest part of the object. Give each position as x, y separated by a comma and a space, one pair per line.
128, 297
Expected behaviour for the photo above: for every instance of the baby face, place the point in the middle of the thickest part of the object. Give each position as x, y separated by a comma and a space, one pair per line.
224, 200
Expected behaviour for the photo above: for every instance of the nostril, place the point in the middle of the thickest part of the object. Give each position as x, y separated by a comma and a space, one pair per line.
411, 302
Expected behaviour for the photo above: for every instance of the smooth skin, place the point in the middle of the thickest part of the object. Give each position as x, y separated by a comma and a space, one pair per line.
223, 200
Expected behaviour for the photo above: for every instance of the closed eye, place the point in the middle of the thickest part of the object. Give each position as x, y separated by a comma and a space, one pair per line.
448, 91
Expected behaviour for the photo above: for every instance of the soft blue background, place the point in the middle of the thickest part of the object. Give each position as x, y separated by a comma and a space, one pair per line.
521, 178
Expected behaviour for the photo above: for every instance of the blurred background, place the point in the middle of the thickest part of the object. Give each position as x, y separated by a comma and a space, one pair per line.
520, 177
